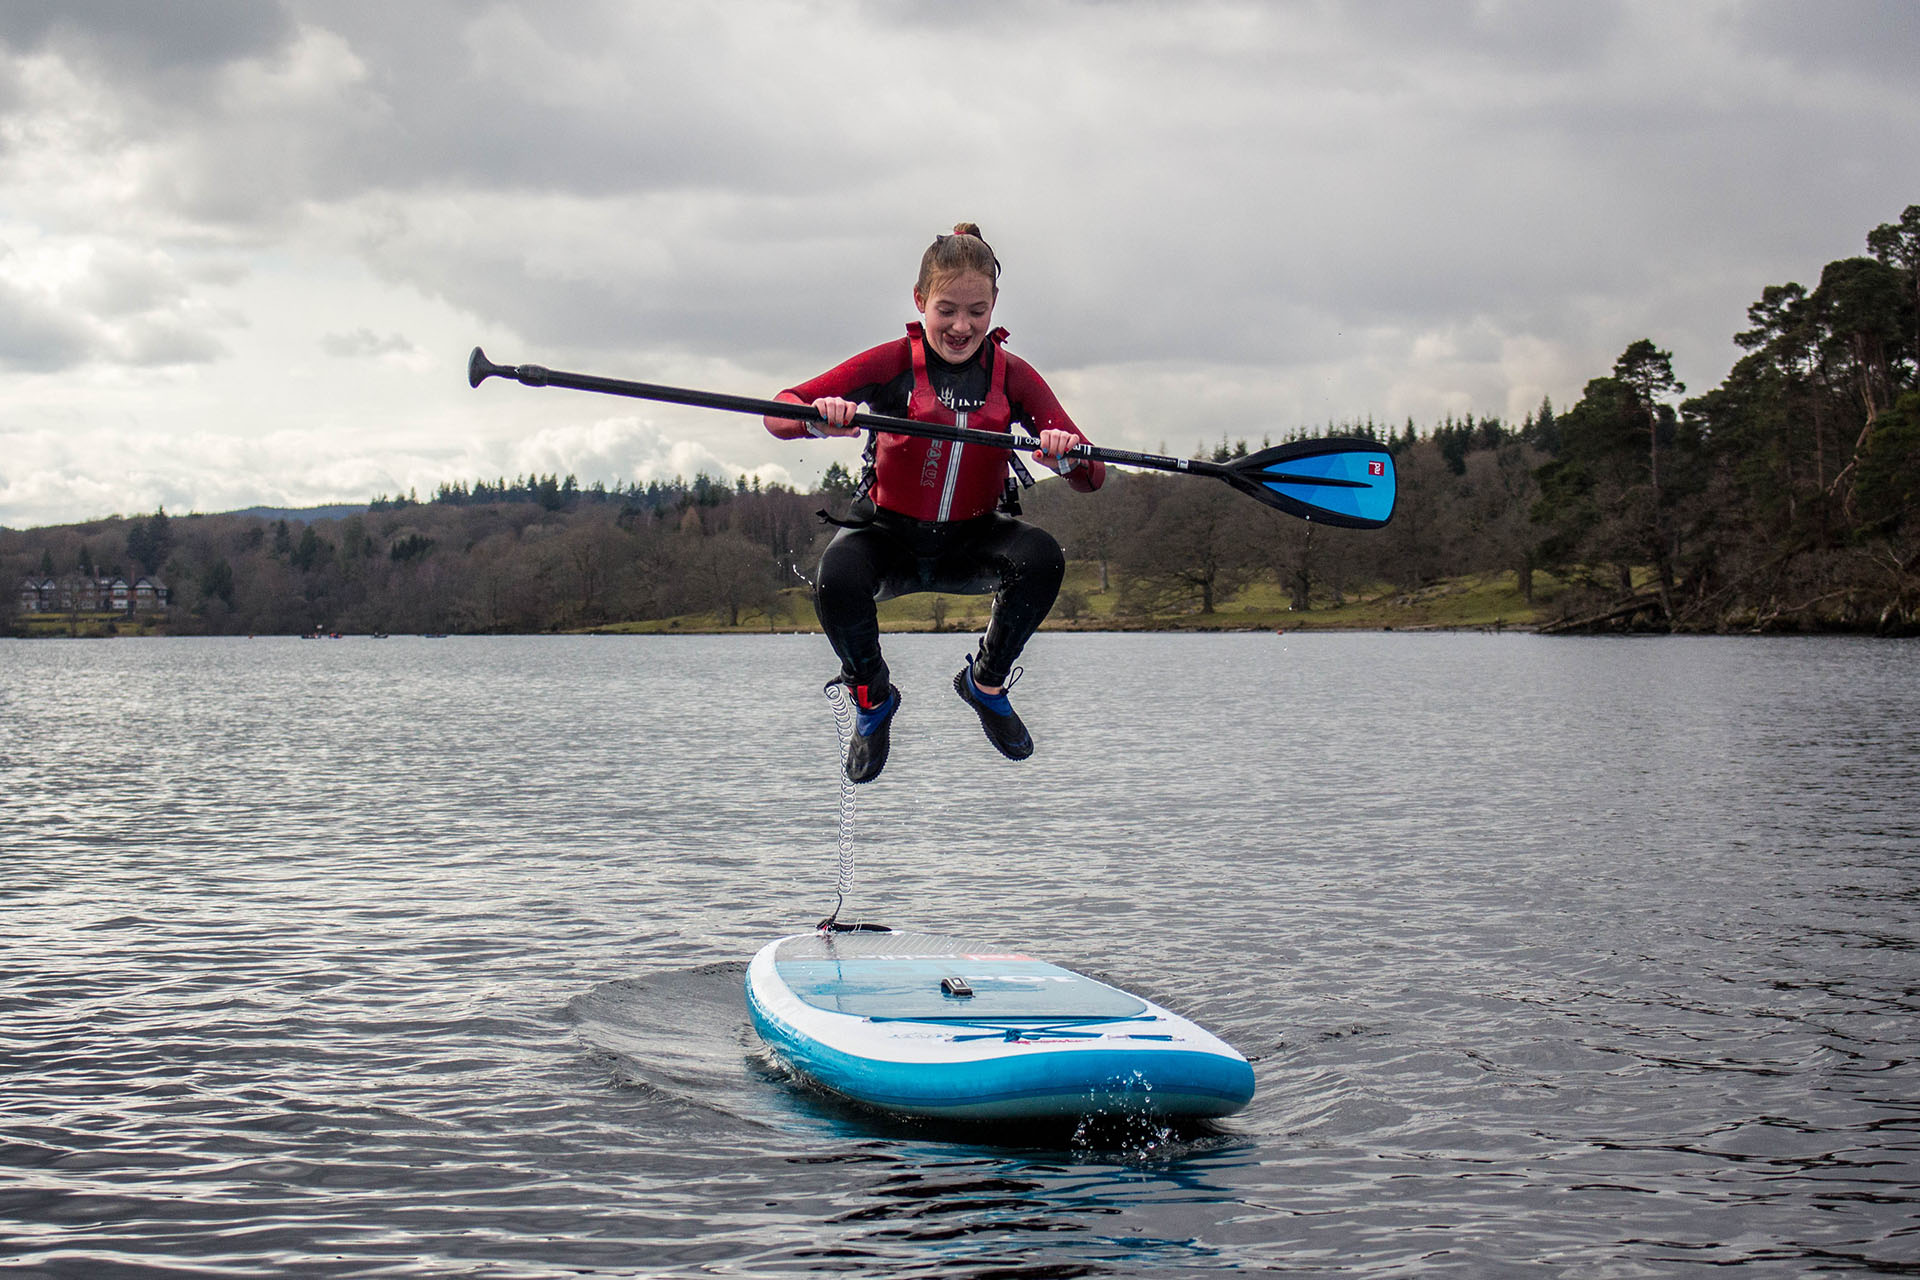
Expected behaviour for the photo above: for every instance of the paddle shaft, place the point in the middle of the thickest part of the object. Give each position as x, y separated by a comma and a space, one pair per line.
479, 368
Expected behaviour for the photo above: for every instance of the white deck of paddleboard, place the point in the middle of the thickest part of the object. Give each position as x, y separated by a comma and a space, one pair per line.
865, 1015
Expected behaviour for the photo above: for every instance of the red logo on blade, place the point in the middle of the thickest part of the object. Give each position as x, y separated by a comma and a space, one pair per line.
1376, 468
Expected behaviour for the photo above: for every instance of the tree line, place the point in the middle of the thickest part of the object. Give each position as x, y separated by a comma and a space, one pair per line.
1787, 497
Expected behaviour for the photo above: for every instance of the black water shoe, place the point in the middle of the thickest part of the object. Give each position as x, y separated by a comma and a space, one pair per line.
997, 716
873, 708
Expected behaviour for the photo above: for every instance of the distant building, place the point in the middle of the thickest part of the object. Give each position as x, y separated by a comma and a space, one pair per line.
92, 594
38, 595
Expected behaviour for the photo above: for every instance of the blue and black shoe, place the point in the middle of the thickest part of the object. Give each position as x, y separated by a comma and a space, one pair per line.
873, 708
1004, 729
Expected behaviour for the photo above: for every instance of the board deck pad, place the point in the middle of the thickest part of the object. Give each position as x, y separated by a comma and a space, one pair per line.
900, 975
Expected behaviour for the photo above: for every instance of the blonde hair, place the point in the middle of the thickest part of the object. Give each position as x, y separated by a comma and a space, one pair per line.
952, 255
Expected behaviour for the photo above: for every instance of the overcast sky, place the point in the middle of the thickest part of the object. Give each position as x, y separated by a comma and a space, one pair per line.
245, 247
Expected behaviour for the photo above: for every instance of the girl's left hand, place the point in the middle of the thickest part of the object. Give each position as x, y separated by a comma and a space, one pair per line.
1054, 444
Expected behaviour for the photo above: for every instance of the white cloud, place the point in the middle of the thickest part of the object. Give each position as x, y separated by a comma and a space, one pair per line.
365, 344
626, 449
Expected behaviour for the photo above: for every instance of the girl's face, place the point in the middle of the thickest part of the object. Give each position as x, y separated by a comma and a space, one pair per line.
958, 315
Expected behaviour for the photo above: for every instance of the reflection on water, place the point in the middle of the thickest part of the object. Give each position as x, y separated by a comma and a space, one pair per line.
1577, 957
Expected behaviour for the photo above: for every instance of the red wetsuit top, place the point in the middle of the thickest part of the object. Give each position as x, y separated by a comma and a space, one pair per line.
944, 479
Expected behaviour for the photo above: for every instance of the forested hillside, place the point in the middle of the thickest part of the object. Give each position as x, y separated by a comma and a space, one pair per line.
1787, 497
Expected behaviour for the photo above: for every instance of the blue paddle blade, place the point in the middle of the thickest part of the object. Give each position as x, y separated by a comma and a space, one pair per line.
1349, 483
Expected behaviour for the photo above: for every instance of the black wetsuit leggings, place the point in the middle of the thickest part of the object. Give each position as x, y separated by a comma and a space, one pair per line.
894, 556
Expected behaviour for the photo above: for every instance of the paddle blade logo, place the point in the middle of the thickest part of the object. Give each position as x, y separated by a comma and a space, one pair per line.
1376, 468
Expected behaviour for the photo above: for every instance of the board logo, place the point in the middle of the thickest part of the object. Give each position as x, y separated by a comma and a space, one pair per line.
1376, 468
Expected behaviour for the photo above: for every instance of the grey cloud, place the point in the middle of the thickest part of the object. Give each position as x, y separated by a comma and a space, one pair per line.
619, 99
132, 38
1876, 37
1222, 188
37, 337
593, 99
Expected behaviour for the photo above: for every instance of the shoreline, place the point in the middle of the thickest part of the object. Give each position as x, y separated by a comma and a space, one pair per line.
1486, 603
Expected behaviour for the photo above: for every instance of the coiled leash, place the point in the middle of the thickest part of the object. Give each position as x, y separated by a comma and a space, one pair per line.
842, 705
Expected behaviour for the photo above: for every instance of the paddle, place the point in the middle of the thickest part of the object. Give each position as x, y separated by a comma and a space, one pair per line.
1342, 482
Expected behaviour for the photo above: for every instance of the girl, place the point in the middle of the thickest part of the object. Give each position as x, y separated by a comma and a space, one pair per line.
928, 514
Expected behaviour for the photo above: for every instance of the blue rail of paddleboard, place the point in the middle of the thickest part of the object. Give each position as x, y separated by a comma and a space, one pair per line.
1184, 1081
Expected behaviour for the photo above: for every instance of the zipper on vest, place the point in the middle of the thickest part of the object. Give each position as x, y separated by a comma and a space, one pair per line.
953, 470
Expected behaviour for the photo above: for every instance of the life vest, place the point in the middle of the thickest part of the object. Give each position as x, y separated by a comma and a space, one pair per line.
945, 479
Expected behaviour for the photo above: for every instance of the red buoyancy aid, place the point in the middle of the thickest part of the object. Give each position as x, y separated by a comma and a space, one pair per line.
945, 479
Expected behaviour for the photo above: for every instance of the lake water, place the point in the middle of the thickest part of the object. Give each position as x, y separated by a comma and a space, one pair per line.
423, 957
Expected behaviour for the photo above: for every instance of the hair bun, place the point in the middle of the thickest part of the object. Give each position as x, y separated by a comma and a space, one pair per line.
968, 229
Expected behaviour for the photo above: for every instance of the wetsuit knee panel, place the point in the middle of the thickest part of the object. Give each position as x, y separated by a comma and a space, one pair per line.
1037, 556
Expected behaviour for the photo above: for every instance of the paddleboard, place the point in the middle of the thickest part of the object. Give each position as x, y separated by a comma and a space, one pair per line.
941, 1027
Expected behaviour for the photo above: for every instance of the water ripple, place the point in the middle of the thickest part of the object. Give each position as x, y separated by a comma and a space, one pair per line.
423, 958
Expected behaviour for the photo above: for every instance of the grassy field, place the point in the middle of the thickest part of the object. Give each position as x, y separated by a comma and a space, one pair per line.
88, 626
1481, 602
1484, 602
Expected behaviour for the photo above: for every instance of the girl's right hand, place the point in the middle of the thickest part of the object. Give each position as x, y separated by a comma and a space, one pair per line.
837, 415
